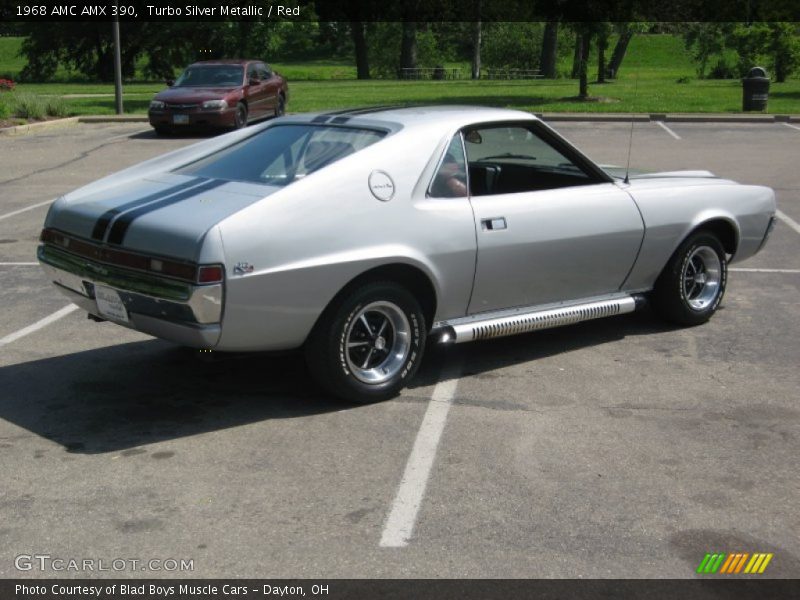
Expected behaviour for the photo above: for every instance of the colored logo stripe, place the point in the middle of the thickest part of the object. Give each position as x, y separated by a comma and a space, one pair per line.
121, 225
733, 563
99, 231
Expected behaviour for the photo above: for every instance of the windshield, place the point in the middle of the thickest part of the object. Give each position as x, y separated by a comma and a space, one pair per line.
211, 76
283, 153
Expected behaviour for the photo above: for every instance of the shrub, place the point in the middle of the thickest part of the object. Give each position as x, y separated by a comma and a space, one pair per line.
7, 85
55, 107
5, 109
28, 106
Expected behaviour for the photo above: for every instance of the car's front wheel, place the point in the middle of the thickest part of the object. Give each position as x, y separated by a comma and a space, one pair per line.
690, 288
240, 117
368, 345
280, 107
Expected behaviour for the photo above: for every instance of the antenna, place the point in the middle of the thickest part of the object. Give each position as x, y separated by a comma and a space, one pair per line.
630, 139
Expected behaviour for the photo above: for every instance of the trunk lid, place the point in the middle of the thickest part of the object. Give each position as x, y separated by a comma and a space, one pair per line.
167, 214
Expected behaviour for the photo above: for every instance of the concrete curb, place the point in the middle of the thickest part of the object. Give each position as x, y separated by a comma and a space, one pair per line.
667, 117
553, 117
114, 119
29, 127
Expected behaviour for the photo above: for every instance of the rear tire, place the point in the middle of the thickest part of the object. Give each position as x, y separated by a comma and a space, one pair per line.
691, 286
162, 130
368, 345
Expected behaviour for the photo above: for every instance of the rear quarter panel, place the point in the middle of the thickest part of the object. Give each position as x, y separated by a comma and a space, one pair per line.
311, 239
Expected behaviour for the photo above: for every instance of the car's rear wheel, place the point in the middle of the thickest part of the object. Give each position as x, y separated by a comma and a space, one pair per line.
162, 130
690, 288
240, 117
280, 107
368, 345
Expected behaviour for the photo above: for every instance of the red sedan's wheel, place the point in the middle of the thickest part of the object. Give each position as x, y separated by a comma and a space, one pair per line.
280, 107
240, 118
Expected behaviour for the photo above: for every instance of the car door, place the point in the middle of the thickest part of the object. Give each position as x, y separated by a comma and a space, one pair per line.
272, 86
550, 226
257, 93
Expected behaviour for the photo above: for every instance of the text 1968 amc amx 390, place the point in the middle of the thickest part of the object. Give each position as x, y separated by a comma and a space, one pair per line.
358, 234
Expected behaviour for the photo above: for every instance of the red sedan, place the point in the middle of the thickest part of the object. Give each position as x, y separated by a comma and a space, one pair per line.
220, 94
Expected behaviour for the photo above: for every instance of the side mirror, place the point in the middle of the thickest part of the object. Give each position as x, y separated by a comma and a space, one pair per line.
170, 82
254, 81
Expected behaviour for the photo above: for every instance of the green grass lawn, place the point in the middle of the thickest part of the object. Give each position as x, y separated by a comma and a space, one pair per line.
648, 82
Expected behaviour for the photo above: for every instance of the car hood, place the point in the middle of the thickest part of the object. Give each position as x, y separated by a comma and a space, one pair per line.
618, 172
166, 214
185, 95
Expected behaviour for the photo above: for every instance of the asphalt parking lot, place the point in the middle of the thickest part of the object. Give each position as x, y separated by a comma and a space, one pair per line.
615, 448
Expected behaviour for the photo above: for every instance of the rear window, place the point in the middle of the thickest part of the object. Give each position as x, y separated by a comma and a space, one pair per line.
281, 154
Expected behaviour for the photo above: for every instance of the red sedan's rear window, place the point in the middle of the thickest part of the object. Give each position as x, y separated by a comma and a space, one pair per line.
282, 154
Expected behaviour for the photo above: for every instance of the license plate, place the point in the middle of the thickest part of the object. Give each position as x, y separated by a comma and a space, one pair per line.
109, 304
180, 119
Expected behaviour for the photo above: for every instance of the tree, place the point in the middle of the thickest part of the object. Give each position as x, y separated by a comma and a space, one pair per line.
784, 49
361, 50
408, 46
476, 50
549, 55
603, 31
626, 32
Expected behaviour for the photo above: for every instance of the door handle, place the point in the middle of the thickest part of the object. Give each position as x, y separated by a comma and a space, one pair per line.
493, 224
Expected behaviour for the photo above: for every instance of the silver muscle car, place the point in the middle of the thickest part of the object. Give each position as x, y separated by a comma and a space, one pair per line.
357, 235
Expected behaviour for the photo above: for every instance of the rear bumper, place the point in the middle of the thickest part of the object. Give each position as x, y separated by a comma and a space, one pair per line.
183, 313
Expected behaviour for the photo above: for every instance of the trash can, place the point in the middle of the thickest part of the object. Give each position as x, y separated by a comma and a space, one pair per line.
755, 90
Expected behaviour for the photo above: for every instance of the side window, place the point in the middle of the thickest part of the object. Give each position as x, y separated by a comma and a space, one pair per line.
252, 72
264, 72
514, 159
450, 180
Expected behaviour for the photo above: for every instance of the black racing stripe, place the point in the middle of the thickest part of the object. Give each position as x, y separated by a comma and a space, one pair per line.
340, 120
121, 225
320, 119
102, 223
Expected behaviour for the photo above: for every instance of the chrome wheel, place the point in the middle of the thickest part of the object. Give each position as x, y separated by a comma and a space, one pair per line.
378, 342
701, 277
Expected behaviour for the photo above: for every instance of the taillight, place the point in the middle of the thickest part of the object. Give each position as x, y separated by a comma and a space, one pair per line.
210, 274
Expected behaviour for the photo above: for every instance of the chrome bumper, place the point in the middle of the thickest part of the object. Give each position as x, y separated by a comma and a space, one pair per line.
165, 308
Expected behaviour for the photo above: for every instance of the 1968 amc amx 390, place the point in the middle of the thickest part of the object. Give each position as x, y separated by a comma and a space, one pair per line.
358, 234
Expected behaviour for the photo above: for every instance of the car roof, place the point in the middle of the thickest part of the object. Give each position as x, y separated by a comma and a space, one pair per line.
227, 61
440, 116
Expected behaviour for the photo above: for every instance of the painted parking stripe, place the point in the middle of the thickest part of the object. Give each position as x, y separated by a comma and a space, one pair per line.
18, 264
788, 220
403, 515
792, 126
12, 337
746, 270
27, 208
668, 130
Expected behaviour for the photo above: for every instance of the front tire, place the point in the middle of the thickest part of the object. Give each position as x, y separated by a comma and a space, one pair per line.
691, 287
280, 107
368, 345
240, 117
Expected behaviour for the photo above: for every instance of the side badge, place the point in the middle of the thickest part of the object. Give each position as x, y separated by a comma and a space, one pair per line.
242, 268
381, 185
